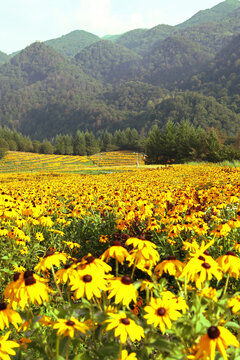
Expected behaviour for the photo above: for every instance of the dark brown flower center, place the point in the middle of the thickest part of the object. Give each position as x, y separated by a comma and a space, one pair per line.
161, 311
70, 323
87, 278
30, 281
125, 321
28, 274
206, 265
49, 253
231, 253
3, 306
201, 258
90, 259
126, 280
171, 257
206, 252
213, 332
16, 276
67, 266
116, 243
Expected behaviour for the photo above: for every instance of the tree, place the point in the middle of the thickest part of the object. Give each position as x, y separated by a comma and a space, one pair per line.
79, 144
3, 147
46, 148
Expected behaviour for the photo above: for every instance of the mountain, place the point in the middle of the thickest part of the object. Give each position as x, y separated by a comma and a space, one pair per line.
71, 44
139, 78
215, 14
32, 64
107, 61
172, 60
142, 40
3, 58
196, 108
111, 37
221, 76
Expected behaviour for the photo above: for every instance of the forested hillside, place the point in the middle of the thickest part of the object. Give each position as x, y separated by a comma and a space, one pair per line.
137, 79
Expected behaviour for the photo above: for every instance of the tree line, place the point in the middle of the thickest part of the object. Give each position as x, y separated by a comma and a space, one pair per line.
173, 143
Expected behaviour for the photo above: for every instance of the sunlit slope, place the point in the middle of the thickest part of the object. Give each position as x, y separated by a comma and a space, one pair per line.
16, 161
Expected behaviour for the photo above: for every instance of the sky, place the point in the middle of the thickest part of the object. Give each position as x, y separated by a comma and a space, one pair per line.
23, 22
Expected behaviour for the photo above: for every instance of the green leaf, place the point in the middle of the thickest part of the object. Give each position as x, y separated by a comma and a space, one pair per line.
109, 350
232, 324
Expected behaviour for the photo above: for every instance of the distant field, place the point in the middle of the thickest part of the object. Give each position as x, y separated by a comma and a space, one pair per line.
16, 161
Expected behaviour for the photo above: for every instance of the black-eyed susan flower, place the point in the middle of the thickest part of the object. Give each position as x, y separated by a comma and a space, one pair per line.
12, 288
125, 356
146, 285
230, 264
143, 249
124, 327
209, 293
8, 315
68, 327
171, 266
64, 275
6, 347
51, 258
92, 265
234, 303
33, 289
88, 284
178, 301
116, 251
216, 337
201, 268
160, 312
39, 236
123, 290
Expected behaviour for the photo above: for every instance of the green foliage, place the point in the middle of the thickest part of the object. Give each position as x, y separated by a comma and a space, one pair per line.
3, 58
179, 143
107, 61
70, 44
3, 147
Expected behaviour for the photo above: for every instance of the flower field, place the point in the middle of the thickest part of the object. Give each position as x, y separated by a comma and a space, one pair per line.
121, 266
16, 161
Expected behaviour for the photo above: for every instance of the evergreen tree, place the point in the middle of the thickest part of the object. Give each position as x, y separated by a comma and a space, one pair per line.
3, 147
91, 143
79, 144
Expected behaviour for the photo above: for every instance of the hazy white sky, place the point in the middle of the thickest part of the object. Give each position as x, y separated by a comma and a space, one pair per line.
24, 21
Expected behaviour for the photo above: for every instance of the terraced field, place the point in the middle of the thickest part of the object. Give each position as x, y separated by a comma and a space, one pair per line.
30, 162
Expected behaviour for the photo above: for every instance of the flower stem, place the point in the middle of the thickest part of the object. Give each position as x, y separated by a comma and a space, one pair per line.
57, 347
225, 287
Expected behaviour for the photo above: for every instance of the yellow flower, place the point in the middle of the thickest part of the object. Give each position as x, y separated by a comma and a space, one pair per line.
39, 236
123, 290
171, 266
200, 269
67, 327
64, 275
116, 251
230, 264
8, 315
92, 265
160, 312
88, 284
51, 258
6, 347
124, 327
125, 356
234, 303
32, 289
209, 293
142, 249
216, 337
